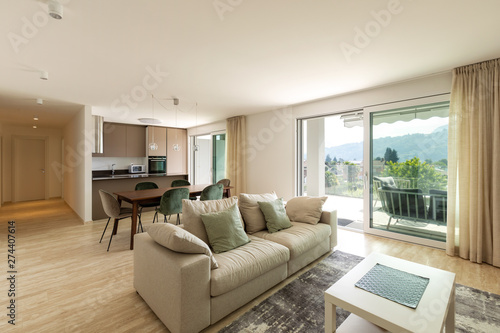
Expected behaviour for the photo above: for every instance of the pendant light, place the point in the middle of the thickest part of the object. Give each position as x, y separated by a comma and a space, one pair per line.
176, 146
153, 145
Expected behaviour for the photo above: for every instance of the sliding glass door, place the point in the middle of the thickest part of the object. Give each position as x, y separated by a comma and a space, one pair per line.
208, 158
383, 168
332, 164
409, 174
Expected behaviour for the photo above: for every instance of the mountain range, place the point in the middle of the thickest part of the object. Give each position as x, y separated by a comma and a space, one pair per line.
433, 146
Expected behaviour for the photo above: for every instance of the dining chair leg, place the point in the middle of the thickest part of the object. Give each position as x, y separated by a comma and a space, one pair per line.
178, 219
115, 229
109, 218
155, 217
139, 213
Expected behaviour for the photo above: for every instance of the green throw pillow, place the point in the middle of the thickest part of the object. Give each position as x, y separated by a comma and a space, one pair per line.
224, 229
275, 215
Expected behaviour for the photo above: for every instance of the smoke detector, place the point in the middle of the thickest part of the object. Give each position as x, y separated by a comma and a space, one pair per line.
55, 9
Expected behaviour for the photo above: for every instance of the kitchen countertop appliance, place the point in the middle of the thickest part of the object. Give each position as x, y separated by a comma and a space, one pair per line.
136, 168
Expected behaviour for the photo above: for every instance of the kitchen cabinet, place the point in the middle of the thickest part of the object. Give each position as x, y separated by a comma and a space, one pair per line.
122, 140
177, 151
136, 141
160, 138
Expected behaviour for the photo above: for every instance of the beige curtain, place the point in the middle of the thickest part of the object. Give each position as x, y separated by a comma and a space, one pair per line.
236, 136
474, 164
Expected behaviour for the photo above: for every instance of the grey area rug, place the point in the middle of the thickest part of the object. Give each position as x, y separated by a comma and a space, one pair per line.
299, 306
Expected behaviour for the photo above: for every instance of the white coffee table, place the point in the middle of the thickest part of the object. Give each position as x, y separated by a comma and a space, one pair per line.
373, 313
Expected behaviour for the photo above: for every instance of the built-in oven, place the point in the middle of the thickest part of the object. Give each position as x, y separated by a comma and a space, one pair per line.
157, 164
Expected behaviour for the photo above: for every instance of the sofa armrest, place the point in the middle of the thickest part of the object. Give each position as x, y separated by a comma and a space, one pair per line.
176, 286
330, 218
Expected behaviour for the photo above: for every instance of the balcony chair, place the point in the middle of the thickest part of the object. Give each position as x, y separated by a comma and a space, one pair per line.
147, 186
171, 202
114, 211
407, 204
212, 192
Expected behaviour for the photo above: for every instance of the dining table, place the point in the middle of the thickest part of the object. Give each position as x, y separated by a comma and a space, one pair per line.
151, 195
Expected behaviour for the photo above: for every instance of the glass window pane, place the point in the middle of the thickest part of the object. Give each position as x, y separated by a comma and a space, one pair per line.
409, 168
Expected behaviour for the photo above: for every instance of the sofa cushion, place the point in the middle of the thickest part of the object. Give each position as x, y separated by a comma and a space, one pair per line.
252, 215
305, 209
300, 238
275, 215
191, 211
386, 181
179, 240
224, 229
245, 263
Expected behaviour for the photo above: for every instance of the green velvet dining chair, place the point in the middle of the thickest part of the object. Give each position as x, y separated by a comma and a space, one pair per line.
212, 192
182, 182
147, 186
171, 202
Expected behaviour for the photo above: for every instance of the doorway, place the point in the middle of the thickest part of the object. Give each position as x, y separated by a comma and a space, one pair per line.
28, 168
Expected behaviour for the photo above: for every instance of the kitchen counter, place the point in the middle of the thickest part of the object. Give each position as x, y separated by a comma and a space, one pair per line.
128, 175
123, 181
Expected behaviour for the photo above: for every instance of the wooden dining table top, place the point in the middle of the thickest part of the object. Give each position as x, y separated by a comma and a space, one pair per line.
141, 195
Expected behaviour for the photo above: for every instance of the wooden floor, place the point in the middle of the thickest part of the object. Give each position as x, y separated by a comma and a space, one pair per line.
67, 282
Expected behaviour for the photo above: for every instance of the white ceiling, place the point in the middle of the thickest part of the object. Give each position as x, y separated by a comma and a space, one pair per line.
224, 57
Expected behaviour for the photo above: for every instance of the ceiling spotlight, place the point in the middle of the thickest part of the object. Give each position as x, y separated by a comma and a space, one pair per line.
35, 118
39, 101
55, 9
176, 101
34, 126
44, 75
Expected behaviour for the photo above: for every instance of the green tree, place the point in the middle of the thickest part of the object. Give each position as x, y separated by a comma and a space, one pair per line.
328, 159
391, 155
423, 175
331, 179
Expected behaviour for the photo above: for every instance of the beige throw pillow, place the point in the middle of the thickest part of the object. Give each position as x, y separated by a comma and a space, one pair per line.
305, 209
250, 210
192, 209
179, 240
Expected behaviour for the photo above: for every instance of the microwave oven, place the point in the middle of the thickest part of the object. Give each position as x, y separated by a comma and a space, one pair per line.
157, 164
136, 168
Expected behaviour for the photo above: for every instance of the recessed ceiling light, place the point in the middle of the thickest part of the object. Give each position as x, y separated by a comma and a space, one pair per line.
150, 120
34, 126
35, 118
55, 9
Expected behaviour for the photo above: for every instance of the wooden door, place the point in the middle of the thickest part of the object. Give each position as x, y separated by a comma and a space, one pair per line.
29, 169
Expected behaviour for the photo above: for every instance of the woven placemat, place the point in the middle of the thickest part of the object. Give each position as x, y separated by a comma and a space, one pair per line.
395, 285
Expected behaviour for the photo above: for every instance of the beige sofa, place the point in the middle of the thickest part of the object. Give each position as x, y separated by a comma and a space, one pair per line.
186, 291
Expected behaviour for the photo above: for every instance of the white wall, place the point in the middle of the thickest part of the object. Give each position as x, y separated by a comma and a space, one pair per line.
104, 163
54, 137
270, 151
271, 137
77, 164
